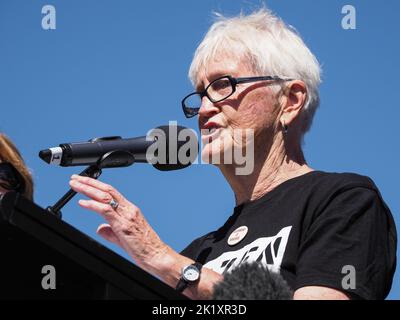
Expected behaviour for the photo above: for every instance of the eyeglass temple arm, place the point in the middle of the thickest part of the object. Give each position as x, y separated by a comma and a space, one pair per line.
253, 79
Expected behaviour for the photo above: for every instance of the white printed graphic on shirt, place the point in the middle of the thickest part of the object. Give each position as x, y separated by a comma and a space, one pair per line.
268, 251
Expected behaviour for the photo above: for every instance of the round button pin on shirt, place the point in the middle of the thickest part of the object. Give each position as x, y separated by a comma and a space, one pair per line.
237, 235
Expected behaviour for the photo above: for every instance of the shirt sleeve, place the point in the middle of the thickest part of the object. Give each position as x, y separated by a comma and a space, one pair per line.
350, 246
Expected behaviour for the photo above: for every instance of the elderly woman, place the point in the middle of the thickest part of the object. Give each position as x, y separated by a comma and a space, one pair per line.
14, 175
330, 235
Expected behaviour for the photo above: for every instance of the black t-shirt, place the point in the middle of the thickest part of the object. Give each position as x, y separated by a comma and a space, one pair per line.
318, 229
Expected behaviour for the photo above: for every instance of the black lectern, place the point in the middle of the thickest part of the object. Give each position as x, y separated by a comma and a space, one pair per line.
32, 238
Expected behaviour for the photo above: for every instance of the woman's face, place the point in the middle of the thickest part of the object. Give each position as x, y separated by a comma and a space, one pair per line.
10, 179
2, 190
252, 106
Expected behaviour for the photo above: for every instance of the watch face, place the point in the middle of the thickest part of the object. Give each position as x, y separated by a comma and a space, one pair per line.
191, 273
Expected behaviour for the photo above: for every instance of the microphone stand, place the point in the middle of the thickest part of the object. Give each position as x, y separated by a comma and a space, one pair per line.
113, 159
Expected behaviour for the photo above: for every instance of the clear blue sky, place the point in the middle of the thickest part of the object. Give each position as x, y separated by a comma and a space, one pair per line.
120, 68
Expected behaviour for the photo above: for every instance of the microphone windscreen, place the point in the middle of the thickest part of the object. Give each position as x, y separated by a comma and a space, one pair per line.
252, 282
181, 148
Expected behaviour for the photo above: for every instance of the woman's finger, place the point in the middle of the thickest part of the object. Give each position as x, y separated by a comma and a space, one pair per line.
104, 230
99, 185
91, 192
105, 210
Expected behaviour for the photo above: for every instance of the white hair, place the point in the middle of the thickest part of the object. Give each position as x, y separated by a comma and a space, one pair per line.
270, 47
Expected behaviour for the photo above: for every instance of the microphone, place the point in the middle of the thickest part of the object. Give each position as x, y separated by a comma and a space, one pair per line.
168, 147
252, 282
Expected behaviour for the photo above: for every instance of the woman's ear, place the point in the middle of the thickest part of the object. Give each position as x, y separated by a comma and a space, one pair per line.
295, 98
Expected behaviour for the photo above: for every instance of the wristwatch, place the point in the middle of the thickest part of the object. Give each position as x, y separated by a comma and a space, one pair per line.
190, 274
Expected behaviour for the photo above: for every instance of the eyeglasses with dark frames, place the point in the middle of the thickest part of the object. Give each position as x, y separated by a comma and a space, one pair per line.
219, 90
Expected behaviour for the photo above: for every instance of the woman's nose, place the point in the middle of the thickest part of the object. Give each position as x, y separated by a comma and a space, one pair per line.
207, 108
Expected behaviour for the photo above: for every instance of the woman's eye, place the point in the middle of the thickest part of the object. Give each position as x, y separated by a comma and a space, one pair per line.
220, 85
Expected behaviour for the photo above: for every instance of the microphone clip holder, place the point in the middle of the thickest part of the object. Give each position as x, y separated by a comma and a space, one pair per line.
112, 159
